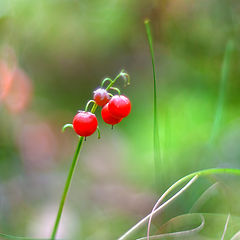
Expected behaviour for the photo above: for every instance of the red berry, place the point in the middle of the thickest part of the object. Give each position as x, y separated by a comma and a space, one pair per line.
85, 123
119, 106
107, 117
101, 97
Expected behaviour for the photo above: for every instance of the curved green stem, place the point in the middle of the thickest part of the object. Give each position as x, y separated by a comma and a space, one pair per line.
68, 125
106, 80
88, 103
205, 172
116, 89
121, 74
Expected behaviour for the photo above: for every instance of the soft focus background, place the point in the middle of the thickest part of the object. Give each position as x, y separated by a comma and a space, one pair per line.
53, 54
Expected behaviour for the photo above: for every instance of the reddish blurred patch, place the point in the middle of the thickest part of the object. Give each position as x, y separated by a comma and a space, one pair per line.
6, 78
15, 87
20, 93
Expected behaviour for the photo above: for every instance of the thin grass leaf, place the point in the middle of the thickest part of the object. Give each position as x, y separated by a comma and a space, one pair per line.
159, 209
11, 237
156, 140
225, 227
180, 234
205, 172
163, 197
222, 91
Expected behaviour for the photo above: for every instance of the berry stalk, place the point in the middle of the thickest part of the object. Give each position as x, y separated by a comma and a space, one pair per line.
75, 157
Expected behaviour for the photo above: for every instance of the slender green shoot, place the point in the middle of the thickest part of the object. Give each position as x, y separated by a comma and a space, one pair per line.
66, 188
222, 90
156, 140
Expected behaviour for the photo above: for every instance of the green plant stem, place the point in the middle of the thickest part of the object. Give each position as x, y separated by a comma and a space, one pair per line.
73, 166
205, 172
66, 188
156, 140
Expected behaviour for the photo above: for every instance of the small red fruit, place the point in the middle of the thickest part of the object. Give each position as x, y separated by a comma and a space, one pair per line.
85, 123
119, 106
107, 117
101, 97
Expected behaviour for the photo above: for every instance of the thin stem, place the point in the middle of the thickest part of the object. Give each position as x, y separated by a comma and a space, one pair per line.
121, 74
156, 139
106, 80
68, 125
88, 103
116, 89
205, 172
66, 188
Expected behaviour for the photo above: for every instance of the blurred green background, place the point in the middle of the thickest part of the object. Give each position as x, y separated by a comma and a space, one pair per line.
55, 53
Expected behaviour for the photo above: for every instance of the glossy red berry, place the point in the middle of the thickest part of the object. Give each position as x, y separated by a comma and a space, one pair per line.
85, 123
107, 117
101, 97
119, 106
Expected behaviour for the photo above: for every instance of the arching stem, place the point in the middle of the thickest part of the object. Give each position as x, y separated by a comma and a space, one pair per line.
116, 89
88, 103
68, 125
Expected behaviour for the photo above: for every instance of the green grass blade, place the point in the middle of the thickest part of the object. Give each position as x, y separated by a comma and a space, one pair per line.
11, 237
156, 139
222, 90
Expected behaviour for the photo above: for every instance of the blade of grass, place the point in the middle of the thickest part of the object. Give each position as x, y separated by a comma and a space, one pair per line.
161, 207
11, 237
162, 198
210, 171
222, 90
180, 234
156, 139
225, 227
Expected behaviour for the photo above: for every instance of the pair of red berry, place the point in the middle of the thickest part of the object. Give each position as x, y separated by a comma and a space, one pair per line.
113, 111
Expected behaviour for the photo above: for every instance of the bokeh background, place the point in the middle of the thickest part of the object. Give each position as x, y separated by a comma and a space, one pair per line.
53, 54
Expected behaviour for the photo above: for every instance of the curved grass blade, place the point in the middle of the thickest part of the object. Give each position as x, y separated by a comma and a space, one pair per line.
222, 90
205, 172
156, 140
164, 196
225, 227
11, 237
160, 208
176, 235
